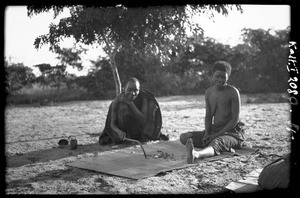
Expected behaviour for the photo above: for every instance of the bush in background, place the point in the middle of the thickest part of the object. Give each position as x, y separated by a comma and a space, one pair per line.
39, 95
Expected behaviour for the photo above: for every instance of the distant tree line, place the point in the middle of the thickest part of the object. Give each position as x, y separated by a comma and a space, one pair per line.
258, 66
152, 44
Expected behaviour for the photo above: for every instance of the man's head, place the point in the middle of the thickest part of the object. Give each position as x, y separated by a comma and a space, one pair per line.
132, 88
221, 73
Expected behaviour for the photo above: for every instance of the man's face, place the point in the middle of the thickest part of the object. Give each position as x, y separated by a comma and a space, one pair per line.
219, 79
132, 90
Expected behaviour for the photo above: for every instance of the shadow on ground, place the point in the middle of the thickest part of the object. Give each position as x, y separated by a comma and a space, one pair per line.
70, 174
57, 153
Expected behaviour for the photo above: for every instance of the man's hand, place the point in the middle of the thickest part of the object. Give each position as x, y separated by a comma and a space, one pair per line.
121, 135
126, 100
208, 138
205, 137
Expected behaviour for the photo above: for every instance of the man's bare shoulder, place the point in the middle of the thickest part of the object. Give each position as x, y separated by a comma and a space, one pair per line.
233, 93
209, 90
117, 100
231, 89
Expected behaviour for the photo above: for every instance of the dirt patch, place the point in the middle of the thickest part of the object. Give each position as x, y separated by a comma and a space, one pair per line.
37, 165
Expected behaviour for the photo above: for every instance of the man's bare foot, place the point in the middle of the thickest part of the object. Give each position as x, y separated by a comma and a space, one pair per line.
190, 147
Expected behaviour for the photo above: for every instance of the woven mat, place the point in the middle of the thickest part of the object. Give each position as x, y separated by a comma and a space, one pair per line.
130, 162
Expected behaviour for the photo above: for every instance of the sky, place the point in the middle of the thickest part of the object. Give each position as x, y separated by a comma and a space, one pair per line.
20, 31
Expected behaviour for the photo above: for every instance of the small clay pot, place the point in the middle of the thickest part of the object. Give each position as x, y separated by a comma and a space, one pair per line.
73, 143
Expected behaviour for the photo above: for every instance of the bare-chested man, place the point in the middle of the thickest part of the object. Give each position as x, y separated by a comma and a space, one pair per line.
133, 114
223, 130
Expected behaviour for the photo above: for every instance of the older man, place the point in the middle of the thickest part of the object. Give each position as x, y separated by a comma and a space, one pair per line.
134, 114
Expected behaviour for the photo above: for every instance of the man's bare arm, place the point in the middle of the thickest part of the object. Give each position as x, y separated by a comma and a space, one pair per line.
208, 116
114, 118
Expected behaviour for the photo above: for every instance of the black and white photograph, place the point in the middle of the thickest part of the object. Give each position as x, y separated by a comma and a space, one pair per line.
132, 100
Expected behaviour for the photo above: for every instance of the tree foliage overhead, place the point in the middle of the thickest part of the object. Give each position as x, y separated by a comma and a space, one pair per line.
70, 57
148, 30
120, 25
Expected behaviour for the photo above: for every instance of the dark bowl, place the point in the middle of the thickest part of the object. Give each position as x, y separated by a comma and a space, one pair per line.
63, 142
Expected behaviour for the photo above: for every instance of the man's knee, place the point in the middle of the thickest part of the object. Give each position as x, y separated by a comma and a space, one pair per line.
184, 137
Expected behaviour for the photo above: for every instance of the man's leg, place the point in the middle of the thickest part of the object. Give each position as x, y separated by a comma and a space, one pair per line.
193, 153
215, 147
196, 137
224, 143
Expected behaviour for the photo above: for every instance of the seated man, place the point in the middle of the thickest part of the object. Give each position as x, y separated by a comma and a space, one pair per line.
223, 131
133, 114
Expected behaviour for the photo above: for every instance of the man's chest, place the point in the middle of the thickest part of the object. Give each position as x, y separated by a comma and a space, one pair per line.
219, 100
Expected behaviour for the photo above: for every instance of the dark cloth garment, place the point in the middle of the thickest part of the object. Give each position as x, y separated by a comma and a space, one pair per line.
276, 175
231, 139
128, 123
224, 143
237, 132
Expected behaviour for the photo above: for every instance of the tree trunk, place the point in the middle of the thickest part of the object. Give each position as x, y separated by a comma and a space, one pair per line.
112, 54
58, 93
116, 76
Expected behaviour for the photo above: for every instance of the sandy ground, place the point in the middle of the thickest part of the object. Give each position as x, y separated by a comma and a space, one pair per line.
36, 165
